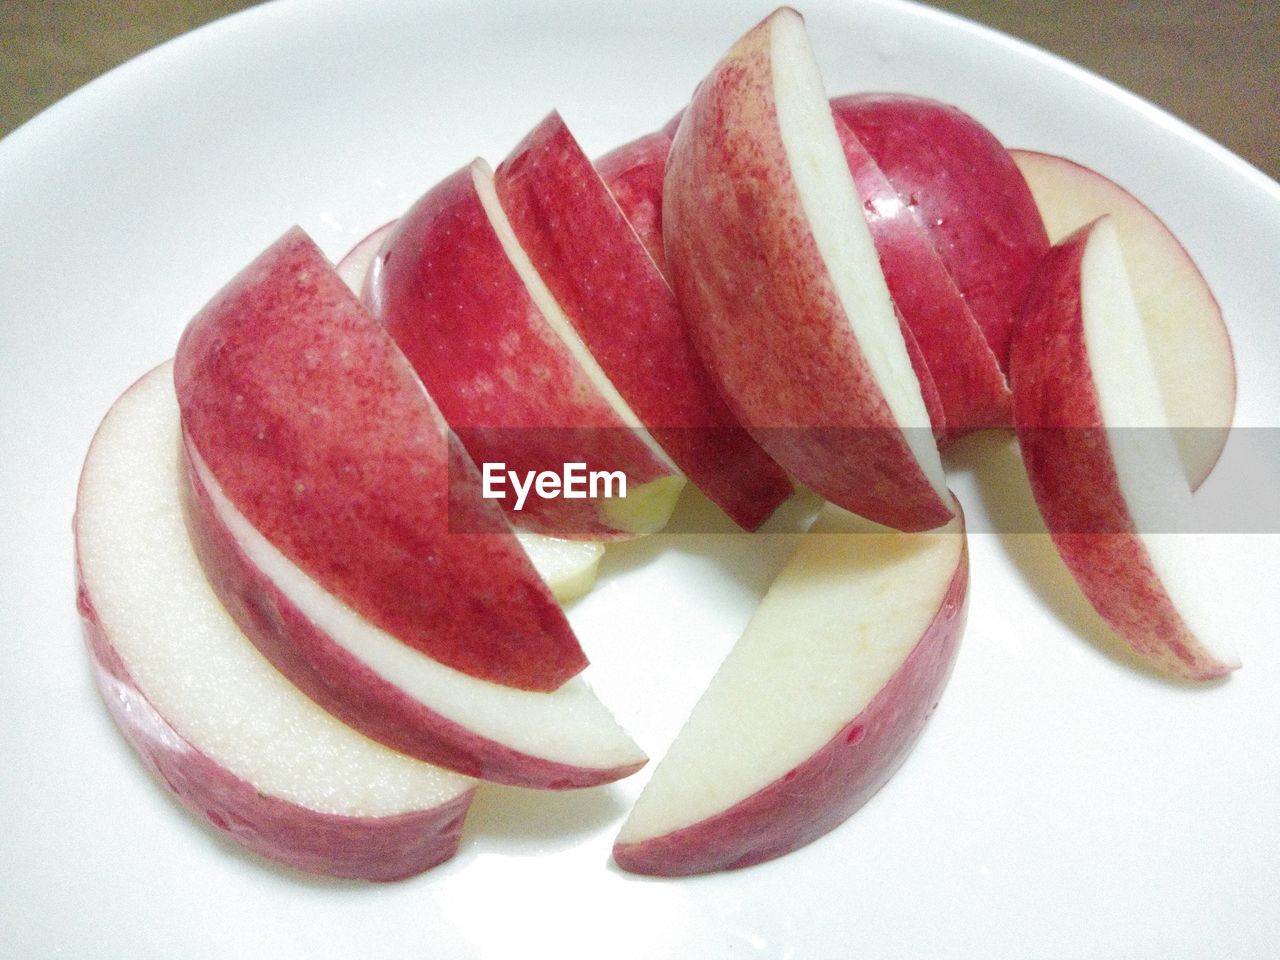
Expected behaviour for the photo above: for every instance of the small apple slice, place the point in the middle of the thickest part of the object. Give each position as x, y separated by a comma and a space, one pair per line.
237, 743
618, 302
1102, 461
512, 378
634, 173
1189, 342
322, 436
815, 707
962, 183
568, 567
779, 281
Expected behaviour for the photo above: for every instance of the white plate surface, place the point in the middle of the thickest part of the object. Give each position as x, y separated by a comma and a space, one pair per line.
1060, 804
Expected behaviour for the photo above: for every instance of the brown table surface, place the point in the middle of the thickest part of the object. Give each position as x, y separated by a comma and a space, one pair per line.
1214, 64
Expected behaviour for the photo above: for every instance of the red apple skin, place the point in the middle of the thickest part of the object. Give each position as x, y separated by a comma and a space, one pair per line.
1068, 460
964, 186
340, 683
968, 378
822, 792
365, 848
446, 292
634, 172
355, 263
762, 310
617, 300
322, 437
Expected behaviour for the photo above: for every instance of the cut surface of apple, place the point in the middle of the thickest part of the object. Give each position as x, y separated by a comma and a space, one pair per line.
618, 302
321, 434
515, 382
815, 707
966, 189
1189, 342
1103, 463
568, 567
781, 288
234, 740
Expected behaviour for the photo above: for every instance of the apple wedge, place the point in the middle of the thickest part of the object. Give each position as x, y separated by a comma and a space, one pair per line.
458, 294
568, 567
1103, 464
961, 182
618, 302
237, 744
322, 489
634, 173
781, 288
815, 707
1189, 343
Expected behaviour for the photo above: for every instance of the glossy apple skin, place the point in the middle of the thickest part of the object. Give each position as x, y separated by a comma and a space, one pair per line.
322, 437
1068, 459
365, 848
963, 185
355, 263
617, 300
820, 793
761, 307
633, 173
339, 682
447, 293
969, 382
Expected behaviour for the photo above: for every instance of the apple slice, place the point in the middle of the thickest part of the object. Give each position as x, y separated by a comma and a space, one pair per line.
317, 464
970, 383
568, 567
782, 290
815, 707
236, 743
1103, 464
512, 378
634, 173
1189, 343
618, 302
962, 183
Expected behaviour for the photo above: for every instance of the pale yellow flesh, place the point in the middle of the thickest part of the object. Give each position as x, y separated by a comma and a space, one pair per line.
647, 508
835, 626
835, 216
568, 725
1189, 344
1148, 464
186, 655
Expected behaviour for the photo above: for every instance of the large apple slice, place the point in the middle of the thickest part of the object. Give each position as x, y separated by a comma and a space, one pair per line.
618, 302
1189, 342
782, 290
1102, 461
815, 707
514, 380
321, 508
232, 738
568, 567
962, 183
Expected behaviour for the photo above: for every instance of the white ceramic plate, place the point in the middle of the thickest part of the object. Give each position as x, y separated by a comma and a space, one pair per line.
1060, 804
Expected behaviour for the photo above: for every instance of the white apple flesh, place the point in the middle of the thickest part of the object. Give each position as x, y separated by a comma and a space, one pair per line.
1103, 464
237, 743
816, 706
1189, 343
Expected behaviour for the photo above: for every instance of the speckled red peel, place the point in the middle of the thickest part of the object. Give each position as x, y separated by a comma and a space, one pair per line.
617, 300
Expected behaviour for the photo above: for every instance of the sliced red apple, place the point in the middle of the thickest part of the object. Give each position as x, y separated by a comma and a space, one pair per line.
634, 173
238, 744
568, 567
513, 379
311, 445
815, 707
618, 302
1189, 343
782, 290
322, 436
970, 383
962, 183
1102, 461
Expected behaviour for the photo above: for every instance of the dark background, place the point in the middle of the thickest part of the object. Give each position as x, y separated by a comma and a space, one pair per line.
1214, 64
